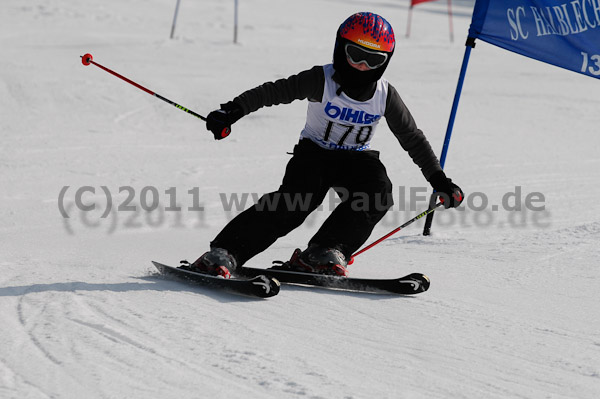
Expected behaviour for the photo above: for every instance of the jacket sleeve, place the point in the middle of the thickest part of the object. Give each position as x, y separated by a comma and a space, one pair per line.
411, 138
307, 84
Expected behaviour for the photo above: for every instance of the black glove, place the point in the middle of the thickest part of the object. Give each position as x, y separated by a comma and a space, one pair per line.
219, 122
449, 193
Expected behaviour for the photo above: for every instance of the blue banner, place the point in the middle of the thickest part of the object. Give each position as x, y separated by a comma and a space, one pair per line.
565, 33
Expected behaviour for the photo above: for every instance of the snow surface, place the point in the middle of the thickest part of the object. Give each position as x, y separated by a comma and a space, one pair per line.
513, 309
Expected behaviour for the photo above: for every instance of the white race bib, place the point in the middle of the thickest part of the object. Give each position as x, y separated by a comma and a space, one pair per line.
341, 123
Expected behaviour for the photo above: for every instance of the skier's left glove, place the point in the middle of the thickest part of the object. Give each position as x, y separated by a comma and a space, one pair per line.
449, 193
219, 121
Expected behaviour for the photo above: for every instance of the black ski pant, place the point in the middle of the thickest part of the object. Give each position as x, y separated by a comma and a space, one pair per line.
358, 177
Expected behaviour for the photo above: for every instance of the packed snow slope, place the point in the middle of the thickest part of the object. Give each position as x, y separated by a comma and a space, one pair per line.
513, 309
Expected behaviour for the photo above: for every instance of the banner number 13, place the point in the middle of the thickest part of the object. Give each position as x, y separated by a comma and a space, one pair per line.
593, 69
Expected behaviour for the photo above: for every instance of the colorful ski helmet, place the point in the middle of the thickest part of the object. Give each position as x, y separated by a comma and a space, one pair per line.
367, 31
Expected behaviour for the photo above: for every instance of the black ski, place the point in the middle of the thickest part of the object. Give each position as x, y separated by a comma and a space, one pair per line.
258, 285
410, 284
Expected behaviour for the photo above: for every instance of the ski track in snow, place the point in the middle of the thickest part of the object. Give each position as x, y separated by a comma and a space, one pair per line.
513, 307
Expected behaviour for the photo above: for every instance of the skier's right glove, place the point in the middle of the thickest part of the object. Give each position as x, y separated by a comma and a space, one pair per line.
219, 121
449, 193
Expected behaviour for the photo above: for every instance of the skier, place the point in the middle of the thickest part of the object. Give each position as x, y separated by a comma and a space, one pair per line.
346, 100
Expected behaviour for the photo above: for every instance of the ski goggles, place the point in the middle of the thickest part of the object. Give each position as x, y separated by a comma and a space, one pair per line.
357, 54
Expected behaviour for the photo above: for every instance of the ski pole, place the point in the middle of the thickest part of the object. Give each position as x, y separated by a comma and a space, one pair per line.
87, 59
391, 233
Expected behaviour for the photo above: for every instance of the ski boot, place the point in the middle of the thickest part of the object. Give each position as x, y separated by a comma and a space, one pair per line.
316, 259
216, 262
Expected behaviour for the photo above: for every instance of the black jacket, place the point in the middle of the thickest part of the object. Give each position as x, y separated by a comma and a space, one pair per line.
310, 85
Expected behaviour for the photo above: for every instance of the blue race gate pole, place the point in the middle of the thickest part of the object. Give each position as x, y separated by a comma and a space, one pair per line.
461, 79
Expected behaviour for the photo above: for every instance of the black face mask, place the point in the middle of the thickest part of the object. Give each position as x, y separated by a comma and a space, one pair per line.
349, 77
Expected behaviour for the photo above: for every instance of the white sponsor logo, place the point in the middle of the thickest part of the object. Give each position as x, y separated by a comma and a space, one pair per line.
415, 284
265, 284
368, 43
